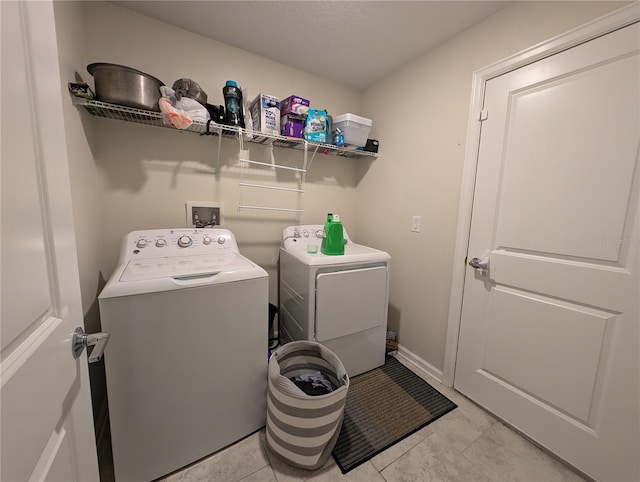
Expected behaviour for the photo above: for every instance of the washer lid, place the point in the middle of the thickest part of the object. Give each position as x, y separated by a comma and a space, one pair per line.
183, 267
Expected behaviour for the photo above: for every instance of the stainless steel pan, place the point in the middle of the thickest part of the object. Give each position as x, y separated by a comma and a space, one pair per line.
122, 85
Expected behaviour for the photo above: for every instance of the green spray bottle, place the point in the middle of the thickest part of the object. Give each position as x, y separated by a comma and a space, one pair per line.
333, 240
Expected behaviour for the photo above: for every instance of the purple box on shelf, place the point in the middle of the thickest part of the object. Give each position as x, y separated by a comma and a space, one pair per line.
292, 125
294, 105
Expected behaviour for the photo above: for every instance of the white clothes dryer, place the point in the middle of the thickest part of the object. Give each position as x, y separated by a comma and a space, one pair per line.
339, 301
186, 365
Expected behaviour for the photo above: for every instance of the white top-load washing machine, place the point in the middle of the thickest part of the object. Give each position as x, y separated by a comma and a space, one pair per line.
186, 364
339, 301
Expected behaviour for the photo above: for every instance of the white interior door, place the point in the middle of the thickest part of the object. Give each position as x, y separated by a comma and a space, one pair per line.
47, 426
549, 334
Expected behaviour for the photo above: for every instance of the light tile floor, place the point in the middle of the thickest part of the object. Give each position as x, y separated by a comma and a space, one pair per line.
467, 444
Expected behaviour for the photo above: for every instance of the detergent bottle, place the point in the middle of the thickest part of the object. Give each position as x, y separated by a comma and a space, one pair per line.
333, 240
234, 114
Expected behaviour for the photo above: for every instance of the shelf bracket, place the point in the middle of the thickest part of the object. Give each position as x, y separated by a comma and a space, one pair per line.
217, 172
313, 156
208, 132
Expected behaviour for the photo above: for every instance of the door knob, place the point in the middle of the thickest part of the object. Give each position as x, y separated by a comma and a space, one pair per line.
480, 264
81, 340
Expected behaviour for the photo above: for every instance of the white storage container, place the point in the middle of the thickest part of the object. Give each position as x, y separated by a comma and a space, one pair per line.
355, 128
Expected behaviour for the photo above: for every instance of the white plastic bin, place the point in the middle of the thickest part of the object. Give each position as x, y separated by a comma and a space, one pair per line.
355, 128
303, 429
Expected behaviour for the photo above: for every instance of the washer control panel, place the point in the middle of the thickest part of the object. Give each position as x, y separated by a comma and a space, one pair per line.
155, 243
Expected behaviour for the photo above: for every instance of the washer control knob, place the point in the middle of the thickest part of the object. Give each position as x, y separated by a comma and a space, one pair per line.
184, 241
142, 243
221, 239
305, 233
161, 242
319, 233
206, 240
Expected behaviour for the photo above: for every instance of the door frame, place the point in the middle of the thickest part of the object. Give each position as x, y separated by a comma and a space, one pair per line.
613, 21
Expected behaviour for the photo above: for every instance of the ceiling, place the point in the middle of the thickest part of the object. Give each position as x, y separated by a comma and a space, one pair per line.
353, 42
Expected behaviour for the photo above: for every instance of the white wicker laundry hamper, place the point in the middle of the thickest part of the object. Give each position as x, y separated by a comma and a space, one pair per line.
302, 429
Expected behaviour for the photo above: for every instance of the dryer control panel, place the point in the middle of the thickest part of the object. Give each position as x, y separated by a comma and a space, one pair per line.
157, 243
306, 235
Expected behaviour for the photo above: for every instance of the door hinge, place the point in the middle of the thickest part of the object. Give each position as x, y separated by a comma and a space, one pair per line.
484, 115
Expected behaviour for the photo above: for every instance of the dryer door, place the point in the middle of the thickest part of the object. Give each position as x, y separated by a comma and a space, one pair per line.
350, 301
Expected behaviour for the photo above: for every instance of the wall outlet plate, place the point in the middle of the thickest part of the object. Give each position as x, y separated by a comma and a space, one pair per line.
203, 214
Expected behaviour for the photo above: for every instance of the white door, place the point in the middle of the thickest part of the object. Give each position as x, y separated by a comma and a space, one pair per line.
549, 334
47, 426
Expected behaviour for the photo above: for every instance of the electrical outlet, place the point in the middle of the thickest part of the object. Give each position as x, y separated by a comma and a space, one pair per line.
415, 224
202, 214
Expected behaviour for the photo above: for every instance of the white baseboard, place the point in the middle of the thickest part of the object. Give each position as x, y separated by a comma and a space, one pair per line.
420, 363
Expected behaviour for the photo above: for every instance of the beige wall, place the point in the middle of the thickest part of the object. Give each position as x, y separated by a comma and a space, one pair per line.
126, 177
420, 116
145, 174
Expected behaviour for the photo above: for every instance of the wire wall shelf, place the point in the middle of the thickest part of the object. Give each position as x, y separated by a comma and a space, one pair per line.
157, 119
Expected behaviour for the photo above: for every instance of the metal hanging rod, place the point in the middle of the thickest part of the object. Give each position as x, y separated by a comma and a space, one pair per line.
275, 188
265, 208
277, 166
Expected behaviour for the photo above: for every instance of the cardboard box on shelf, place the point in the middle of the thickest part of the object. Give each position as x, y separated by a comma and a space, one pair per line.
293, 125
265, 114
294, 105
